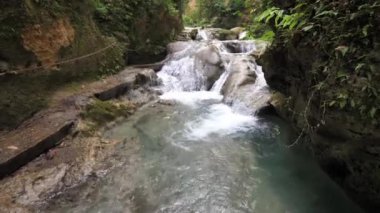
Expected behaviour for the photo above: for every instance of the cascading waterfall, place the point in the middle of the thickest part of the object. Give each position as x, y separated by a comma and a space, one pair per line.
180, 73
183, 81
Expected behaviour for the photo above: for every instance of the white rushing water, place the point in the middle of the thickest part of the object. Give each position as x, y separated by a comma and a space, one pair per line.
185, 83
221, 120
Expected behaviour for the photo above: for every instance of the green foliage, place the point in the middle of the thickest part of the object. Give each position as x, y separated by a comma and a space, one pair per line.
101, 112
344, 37
218, 13
100, 7
139, 22
267, 36
281, 20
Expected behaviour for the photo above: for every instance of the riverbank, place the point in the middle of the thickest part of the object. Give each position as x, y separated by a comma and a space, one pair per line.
64, 140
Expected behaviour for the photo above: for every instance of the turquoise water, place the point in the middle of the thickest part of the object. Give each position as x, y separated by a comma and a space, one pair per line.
244, 167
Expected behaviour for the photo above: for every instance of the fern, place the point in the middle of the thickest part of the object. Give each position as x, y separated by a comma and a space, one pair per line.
281, 19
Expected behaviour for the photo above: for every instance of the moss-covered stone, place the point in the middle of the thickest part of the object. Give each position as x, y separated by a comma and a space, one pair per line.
99, 113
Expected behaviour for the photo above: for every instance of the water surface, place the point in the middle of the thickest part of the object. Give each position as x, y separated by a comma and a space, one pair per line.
207, 158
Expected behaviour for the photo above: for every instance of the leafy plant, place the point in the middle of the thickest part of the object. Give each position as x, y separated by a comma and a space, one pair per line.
281, 19
344, 38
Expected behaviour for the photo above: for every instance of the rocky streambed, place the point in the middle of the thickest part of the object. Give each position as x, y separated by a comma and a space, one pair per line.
59, 147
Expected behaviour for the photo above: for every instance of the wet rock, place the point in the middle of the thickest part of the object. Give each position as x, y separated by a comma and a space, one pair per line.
167, 102
241, 86
222, 34
188, 34
49, 131
240, 74
217, 33
47, 181
255, 48
278, 101
276, 106
237, 30
143, 77
177, 46
193, 34
209, 63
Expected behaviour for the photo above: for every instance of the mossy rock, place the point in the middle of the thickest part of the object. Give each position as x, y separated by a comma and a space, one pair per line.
102, 112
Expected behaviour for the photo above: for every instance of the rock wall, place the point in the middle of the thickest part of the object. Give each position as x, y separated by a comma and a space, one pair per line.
36, 36
327, 76
346, 145
46, 41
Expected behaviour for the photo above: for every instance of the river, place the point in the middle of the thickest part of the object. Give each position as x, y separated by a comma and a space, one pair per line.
201, 151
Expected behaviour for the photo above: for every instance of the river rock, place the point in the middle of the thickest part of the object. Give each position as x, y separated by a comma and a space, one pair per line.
193, 34
217, 33
254, 47
237, 30
177, 46
208, 61
188, 34
242, 87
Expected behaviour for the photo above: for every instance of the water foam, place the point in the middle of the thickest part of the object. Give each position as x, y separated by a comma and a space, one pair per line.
220, 120
183, 83
192, 98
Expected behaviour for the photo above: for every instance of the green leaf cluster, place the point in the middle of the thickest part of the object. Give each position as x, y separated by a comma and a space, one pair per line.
219, 13
343, 34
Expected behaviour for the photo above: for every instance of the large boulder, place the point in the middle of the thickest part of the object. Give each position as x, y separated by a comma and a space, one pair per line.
209, 63
177, 46
187, 34
243, 88
237, 30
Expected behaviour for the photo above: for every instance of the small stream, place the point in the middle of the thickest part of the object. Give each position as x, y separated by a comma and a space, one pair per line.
206, 152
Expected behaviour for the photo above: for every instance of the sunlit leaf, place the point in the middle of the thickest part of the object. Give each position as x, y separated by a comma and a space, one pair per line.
307, 28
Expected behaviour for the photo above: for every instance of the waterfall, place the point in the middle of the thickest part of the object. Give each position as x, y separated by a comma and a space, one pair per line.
181, 75
187, 76
203, 35
218, 86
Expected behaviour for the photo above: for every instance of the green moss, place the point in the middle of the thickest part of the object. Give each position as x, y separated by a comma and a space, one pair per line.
101, 112
21, 97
